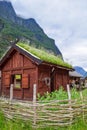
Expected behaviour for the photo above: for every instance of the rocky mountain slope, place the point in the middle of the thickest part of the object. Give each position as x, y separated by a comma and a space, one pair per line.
27, 30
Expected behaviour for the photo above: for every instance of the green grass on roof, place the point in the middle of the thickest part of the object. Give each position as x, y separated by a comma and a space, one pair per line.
44, 56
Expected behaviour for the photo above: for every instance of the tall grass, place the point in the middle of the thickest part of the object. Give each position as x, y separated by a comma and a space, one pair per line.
18, 124
15, 124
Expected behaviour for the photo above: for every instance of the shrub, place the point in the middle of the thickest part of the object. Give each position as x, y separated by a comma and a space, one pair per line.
61, 94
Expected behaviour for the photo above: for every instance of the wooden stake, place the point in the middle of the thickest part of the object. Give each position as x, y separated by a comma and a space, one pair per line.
68, 90
11, 92
34, 102
81, 96
34, 93
69, 98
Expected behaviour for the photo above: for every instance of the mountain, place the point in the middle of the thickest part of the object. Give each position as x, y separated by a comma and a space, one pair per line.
27, 30
80, 70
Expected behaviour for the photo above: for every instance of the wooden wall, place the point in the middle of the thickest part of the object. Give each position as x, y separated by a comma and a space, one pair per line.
62, 78
19, 64
44, 72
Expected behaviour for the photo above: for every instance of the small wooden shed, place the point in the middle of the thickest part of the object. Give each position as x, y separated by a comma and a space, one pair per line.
23, 69
74, 78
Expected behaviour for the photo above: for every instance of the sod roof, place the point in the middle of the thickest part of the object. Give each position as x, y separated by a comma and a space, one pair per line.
43, 55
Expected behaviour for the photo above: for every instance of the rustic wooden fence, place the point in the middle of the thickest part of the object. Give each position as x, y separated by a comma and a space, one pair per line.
40, 114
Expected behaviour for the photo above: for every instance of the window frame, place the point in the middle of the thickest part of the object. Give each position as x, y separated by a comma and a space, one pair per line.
14, 81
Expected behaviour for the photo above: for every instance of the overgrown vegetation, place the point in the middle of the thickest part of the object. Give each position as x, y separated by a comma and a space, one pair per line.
15, 124
43, 55
61, 95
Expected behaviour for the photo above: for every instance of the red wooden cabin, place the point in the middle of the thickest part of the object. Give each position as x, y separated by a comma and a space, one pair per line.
23, 70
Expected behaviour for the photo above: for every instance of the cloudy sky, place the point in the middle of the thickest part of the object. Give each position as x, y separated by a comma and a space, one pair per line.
63, 20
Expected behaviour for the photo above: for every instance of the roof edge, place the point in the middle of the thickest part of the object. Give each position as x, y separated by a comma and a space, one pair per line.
6, 56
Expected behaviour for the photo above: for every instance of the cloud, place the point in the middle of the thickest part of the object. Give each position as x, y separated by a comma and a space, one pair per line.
63, 20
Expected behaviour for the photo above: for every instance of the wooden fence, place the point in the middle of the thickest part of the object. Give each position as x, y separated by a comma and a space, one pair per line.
42, 114
58, 113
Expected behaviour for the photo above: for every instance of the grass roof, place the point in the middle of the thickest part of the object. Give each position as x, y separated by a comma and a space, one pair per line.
44, 56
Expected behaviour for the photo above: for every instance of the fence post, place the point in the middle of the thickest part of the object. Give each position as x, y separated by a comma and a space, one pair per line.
68, 90
81, 96
34, 93
70, 104
34, 102
11, 92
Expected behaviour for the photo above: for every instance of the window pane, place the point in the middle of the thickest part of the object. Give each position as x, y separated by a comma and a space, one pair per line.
18, 77
18, 81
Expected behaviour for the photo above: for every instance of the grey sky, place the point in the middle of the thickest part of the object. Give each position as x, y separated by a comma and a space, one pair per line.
63, 20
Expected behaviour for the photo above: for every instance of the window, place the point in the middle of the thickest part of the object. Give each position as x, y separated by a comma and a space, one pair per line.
16, 80
20, 80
